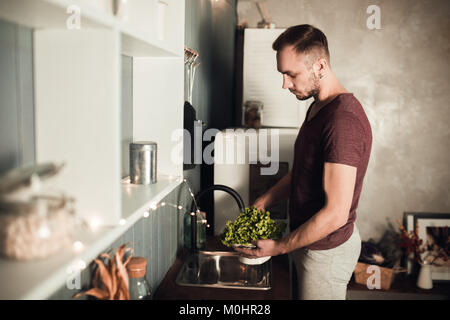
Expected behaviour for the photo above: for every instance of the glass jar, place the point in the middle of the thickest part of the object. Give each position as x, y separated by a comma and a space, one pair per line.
139, 287
201, 230
36, 220
253, 114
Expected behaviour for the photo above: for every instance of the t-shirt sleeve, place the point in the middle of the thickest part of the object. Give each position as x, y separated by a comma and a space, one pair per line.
343, 140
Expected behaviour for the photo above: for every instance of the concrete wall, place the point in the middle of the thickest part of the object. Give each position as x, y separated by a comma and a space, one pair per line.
400, 73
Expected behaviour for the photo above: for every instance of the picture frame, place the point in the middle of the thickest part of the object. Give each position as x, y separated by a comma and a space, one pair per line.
408, 223
430, 227
433, 230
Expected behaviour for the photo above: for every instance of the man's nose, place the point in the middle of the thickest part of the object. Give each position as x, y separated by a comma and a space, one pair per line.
287, 83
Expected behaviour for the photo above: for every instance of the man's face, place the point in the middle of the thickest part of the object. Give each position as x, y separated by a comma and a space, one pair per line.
298, 72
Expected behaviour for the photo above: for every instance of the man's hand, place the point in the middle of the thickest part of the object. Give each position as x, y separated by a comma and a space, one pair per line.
261, 203
264, 248
278, 192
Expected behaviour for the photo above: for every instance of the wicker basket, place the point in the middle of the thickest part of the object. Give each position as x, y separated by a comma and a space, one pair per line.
387, 275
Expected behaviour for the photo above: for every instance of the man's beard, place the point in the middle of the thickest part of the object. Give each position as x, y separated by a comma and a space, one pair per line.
314, 90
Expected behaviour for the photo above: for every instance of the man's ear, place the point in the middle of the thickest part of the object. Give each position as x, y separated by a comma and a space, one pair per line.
320, 66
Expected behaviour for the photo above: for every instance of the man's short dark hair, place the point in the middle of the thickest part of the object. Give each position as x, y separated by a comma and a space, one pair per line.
304, 38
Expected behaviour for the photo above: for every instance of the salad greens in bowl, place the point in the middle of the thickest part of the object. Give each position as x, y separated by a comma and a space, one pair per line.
251, 225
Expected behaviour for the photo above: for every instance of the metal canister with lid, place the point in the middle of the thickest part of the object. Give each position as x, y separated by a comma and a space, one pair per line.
143, 156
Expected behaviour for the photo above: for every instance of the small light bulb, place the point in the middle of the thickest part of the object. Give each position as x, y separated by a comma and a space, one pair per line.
44, 231
146, 214
180, 207
163, 204
81, 265
153, 206
122, 222
78, 246
94, 223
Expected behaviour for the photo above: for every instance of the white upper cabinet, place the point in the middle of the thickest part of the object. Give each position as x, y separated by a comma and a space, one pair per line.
147, 27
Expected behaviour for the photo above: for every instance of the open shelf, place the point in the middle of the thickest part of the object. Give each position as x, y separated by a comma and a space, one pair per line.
77, 75
53, 14
77, 100
135, 45
136, 199
40, 278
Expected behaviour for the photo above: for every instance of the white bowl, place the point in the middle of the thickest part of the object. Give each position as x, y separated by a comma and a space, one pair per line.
247, 260
254, 261
248, 246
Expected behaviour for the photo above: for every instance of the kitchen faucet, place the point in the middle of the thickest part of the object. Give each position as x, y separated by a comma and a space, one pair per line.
193, 213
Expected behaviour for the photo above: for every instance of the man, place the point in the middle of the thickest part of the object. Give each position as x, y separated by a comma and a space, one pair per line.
330, 160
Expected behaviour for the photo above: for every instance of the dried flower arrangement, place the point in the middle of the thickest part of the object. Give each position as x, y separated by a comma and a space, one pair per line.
385, 252
113, 276
412, 243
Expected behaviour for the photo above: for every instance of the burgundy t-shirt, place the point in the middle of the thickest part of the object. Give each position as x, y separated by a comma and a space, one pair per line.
339, 133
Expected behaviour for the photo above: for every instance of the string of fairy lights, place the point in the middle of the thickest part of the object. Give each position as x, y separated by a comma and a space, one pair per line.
94, 225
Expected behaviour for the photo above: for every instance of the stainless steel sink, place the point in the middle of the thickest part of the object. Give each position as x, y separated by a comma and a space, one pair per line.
222, 269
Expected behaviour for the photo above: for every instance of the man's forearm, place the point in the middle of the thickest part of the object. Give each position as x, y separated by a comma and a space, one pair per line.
318, 227
339, 184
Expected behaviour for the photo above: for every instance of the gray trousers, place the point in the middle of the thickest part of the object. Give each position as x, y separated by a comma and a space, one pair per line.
324, 274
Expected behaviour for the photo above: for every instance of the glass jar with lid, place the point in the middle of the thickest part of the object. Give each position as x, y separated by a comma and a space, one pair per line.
139, 287
201, 229
37, 220
253, 114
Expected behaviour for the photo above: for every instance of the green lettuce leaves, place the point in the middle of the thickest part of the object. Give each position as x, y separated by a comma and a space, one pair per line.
252, 225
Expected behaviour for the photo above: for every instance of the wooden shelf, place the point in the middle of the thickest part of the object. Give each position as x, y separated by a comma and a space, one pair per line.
135, 45
403, 288
136, 199
52, 14
41, 278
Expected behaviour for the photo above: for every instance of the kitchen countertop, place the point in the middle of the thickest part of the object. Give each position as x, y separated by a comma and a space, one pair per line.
403, 286
169, 290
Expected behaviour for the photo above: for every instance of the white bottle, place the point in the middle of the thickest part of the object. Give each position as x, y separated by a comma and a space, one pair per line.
424, 280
